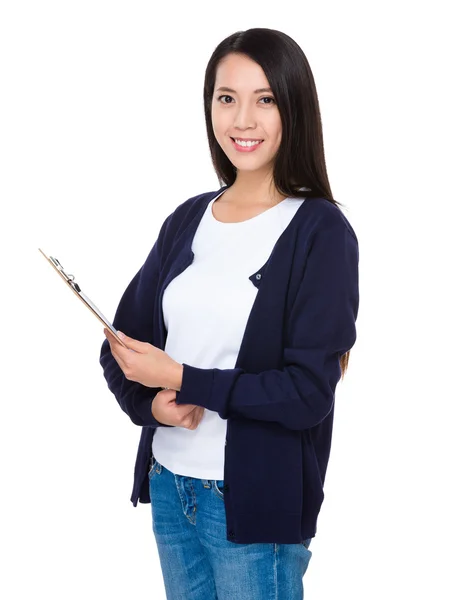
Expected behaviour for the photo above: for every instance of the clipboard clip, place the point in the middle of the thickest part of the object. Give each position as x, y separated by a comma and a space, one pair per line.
68, 277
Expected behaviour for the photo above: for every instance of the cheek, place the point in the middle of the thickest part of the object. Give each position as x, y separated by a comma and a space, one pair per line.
220, 123
276, 138
275, 127
220, 129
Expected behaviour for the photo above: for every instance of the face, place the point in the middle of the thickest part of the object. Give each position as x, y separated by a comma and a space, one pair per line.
245, 112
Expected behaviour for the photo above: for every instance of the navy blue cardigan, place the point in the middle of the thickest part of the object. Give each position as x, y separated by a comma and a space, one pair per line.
279, 398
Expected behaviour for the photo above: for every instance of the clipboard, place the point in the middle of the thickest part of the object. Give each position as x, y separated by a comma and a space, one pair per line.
70, 281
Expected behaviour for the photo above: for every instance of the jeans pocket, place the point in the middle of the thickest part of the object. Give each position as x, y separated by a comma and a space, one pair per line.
218, 486
153, 468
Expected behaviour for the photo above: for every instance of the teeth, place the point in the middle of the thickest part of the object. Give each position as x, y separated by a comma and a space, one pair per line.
246, 144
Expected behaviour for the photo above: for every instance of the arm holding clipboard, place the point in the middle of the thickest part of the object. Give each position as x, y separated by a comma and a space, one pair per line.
134, 395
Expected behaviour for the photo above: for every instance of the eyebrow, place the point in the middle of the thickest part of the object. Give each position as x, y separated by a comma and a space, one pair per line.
227, 89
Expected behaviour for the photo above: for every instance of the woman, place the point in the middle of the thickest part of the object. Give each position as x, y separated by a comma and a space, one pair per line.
238, 328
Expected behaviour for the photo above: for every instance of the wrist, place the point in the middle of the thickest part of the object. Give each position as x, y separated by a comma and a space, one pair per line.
174, 379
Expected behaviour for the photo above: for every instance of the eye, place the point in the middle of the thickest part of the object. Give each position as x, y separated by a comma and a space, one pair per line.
268, 98
224, 96
264, 98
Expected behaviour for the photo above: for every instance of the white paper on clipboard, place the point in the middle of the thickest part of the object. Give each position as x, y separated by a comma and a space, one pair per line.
70, 281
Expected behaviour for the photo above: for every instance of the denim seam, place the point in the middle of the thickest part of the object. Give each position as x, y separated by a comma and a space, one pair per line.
276, 590
194, 501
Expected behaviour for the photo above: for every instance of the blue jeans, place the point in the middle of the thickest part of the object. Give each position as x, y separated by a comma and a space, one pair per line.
197, 560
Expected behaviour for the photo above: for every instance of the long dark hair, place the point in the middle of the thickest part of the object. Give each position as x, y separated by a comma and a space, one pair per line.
300, 160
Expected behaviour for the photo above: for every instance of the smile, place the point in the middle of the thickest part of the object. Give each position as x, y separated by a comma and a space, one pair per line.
249, 146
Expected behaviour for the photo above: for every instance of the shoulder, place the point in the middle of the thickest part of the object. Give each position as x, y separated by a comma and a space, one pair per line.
191, 207
321, 214
187, 211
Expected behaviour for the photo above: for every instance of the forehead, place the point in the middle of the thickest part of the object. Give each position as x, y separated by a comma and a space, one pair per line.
240, 73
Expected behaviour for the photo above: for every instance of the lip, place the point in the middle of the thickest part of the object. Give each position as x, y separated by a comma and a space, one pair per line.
246, 139
246, 149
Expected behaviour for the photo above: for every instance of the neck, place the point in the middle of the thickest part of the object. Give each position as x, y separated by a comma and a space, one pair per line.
251, 187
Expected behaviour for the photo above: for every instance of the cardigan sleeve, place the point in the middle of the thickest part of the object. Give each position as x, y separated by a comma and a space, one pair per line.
134, 315
321, 328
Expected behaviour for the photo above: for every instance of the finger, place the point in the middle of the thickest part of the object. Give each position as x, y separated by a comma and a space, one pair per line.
200, 415
118, 357
115, 344
110, 337
133, 344
112, 340
192, 420
187, 420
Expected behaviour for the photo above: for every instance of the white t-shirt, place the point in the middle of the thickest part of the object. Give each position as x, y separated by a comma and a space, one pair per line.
205, 310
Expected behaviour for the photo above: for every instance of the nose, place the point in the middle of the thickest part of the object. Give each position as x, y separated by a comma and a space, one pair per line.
244, 118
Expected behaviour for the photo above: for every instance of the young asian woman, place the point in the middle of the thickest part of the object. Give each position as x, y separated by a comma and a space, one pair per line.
238, 328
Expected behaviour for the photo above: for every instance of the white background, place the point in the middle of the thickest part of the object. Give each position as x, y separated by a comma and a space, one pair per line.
102, 136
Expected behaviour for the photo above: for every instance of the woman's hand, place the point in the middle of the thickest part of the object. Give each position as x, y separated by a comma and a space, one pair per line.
166, 411
144, 363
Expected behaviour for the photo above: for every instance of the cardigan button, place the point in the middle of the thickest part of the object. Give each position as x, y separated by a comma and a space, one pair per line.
258, 276
226, 487
231, 533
